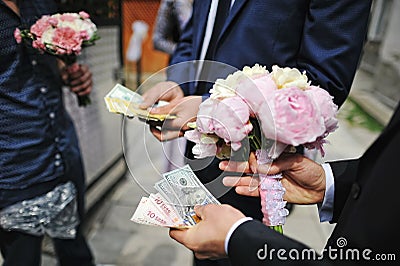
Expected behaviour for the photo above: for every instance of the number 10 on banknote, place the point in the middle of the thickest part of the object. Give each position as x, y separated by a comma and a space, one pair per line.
173, 204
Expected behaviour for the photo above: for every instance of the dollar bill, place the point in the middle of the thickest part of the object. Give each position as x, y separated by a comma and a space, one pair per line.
164, 188
173, 206
188, 192
122, 100
188, 188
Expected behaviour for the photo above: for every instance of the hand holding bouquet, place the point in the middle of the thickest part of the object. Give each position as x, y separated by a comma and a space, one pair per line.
62, 35
267, 112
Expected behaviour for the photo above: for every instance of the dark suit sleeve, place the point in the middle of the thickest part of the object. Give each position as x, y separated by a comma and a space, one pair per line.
345, 173
180, 65
253, 243
333, 39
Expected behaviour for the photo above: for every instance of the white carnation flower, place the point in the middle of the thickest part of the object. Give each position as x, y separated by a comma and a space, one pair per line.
47, 36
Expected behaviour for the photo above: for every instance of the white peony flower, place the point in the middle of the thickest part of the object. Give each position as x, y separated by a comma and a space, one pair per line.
255, 71
226, 88
289, 77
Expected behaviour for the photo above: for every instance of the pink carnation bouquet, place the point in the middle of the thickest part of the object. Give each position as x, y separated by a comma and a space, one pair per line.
271, 112
62, 35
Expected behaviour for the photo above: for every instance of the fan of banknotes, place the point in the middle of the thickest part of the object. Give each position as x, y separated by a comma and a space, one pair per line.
122, 100
173, 204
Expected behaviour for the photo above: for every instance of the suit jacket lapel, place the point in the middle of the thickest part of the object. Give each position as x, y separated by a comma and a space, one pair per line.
237, 6
202, 12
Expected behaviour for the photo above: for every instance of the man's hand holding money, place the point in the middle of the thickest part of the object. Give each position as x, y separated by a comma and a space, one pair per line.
184, 108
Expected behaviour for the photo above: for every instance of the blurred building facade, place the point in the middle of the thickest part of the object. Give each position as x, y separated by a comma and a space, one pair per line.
381, 57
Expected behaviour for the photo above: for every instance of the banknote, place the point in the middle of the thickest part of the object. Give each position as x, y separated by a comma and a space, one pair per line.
188, 191
166, 209
147, 213
173, 204
154, 210
188, 188
164, 188
122, 100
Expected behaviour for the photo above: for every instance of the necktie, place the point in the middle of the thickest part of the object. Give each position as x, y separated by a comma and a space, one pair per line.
220, 18
222, 14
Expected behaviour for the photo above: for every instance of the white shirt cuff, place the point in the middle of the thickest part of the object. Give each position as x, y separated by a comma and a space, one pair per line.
232, 229
326, 209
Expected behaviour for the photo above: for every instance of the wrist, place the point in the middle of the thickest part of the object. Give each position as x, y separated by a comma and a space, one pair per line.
232, 229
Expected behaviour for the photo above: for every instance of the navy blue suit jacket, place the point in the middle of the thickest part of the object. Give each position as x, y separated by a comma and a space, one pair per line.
325, 38
365, 207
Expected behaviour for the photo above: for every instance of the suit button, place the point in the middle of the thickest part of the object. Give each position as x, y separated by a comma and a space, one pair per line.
355, 191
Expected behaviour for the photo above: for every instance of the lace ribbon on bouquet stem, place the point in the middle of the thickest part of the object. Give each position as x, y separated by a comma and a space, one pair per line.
271, 193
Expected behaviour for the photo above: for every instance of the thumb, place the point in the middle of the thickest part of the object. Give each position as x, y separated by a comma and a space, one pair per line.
270, 169
199, 210
285, 162
166, 109
178, 234
147, 102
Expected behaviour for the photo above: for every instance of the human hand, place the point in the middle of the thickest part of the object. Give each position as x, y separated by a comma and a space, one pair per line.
303, 179
78, 77
246, 185
185, 111
207, 238
167, 91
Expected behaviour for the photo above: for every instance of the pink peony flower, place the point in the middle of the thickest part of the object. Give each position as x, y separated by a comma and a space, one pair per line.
17, 35
256, 92
204, 121
326, 106
292, 117
318, 144
231, 121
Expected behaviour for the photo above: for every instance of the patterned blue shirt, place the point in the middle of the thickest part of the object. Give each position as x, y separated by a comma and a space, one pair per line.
38, 142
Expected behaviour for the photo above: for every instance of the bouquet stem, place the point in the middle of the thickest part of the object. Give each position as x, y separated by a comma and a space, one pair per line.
83, 100
72, 66
278, 228
271, 193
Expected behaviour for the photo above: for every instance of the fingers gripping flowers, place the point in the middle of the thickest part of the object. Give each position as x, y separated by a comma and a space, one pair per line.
287, 108
62, 35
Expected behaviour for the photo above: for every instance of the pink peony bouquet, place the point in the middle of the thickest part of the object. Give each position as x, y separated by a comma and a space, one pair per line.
268, 112
62, 35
